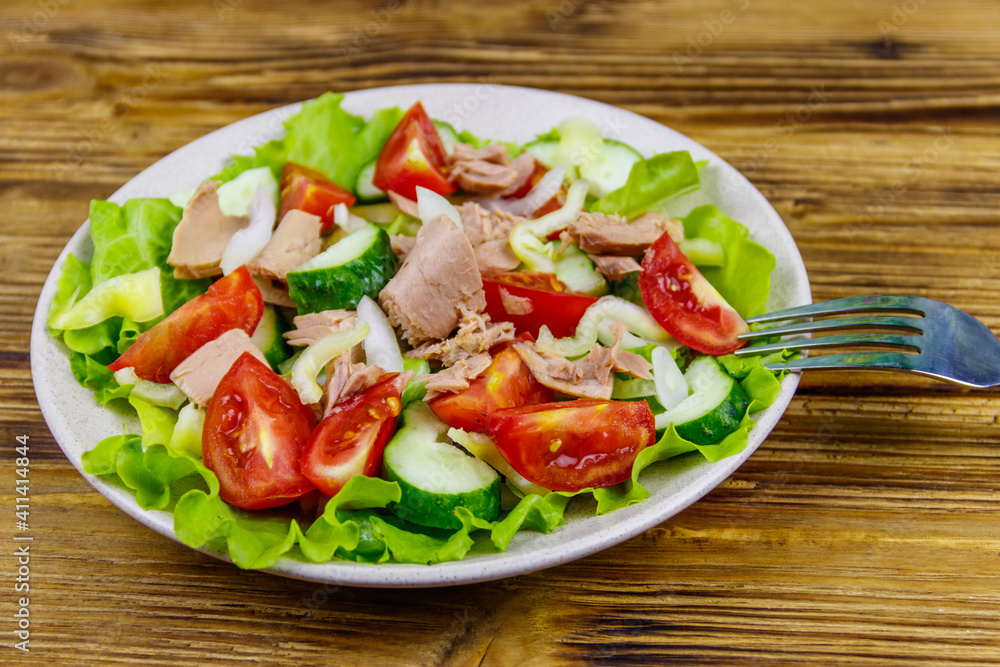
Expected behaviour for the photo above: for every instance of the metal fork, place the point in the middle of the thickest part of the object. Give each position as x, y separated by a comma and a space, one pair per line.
928, 337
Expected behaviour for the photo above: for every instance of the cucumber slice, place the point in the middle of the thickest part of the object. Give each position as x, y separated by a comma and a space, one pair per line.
364, 188
435, 476
546, 152
268, 339
578, 272
449, 137
235, 196
360, 263
482, 447
703, 252
382, 213
714, 409
609, 171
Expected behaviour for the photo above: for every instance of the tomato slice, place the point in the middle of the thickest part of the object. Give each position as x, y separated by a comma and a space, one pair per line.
232, 302
560, 311
311, 191
349, 441
507, 383
574, 445
685, 303
255, 429
413, 156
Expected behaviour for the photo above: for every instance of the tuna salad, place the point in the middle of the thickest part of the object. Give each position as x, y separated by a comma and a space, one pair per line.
376, 351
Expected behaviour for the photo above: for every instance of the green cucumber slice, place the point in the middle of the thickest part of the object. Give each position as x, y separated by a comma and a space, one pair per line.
609, 171
268, 339
714, 409
364, 188
578, 272
546, 152
435, 476
360, 263
449, 137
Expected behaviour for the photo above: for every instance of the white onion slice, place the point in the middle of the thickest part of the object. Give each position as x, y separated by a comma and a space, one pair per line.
381, 346
671, 387
543, 191
249, 241
431, 206
346, 220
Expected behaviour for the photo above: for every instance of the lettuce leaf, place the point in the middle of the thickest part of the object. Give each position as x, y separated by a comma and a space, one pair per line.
744, 279
136, 237
650, 182
325, 137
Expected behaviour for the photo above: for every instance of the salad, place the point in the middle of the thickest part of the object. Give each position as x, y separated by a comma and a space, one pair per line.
382, 339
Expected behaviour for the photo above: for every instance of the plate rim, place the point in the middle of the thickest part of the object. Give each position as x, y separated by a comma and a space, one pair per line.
470, 569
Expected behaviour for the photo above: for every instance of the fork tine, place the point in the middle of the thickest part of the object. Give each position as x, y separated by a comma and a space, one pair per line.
905, 323
904, 340
848, 360
851, 304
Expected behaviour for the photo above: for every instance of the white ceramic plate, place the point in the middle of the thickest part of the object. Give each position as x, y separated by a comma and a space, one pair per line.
500, 112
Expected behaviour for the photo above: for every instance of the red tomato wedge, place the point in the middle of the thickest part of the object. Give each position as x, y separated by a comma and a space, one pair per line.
255, 429
350, 439
311, 191
529, 303
507, 383
413, 156
574, 445
232, 302
685, 304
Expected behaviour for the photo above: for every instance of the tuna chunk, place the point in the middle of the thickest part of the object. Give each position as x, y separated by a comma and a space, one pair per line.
202, 235
482, 226
586, 377
589, 377
199, 375
456, 378
436, 285
402, 245
496, 255
487, 171
311, 327
476, 334
487, 231
611, 235
404, 204
615, 267
294, 242
273, 292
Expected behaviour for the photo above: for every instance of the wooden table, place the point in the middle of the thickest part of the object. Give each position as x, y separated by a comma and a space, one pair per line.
866, 529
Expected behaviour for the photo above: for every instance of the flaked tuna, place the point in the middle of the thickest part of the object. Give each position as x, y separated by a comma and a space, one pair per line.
202, 235
294, 242
612, 235
488, 171
199, 374
436, 285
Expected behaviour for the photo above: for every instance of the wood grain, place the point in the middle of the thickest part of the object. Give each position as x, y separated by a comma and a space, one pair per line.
866, 530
